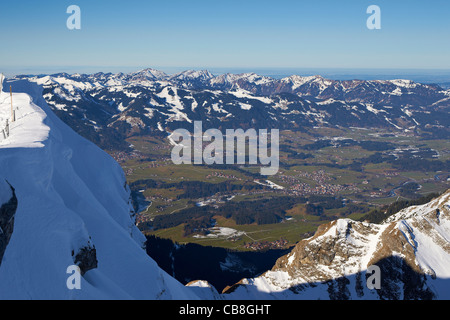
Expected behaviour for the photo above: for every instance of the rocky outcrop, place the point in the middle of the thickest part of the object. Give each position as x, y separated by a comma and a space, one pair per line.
410, 250
86, 258
7, 212
336, 248
204, 290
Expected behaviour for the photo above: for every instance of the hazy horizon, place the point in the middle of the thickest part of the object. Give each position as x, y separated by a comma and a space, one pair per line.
418, 75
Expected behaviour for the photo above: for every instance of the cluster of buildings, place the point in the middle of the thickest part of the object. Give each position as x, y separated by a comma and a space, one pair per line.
140, 218
222, 175
298, 187
391, 173
153, 164
121, 156
302, 189
264, 245
156, 164
318, 176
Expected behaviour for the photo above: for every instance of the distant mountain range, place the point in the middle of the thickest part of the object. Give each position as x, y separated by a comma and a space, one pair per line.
107, 108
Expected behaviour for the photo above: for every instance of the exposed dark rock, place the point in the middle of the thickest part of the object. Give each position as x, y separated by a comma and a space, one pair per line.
86, 259
7, 212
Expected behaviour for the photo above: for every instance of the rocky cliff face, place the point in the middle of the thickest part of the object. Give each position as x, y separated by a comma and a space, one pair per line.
411, 250
7, 212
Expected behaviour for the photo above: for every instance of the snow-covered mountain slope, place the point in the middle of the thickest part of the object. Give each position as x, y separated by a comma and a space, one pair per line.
107, 108
411, 248
73, 207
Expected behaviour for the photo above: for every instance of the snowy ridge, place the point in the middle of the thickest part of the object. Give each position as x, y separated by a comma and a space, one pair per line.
71, 195
28, 131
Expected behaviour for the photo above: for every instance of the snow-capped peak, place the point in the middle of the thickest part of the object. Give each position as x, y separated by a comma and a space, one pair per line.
296, 81
202, 75
403, 83
148, 74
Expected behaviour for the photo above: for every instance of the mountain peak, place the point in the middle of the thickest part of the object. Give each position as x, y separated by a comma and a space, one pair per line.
148, 74
202, 75
411, 249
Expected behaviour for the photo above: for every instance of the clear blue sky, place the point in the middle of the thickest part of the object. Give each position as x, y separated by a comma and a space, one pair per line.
224, 34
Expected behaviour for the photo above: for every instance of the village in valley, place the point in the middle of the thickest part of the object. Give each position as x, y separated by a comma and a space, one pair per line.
362, 180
